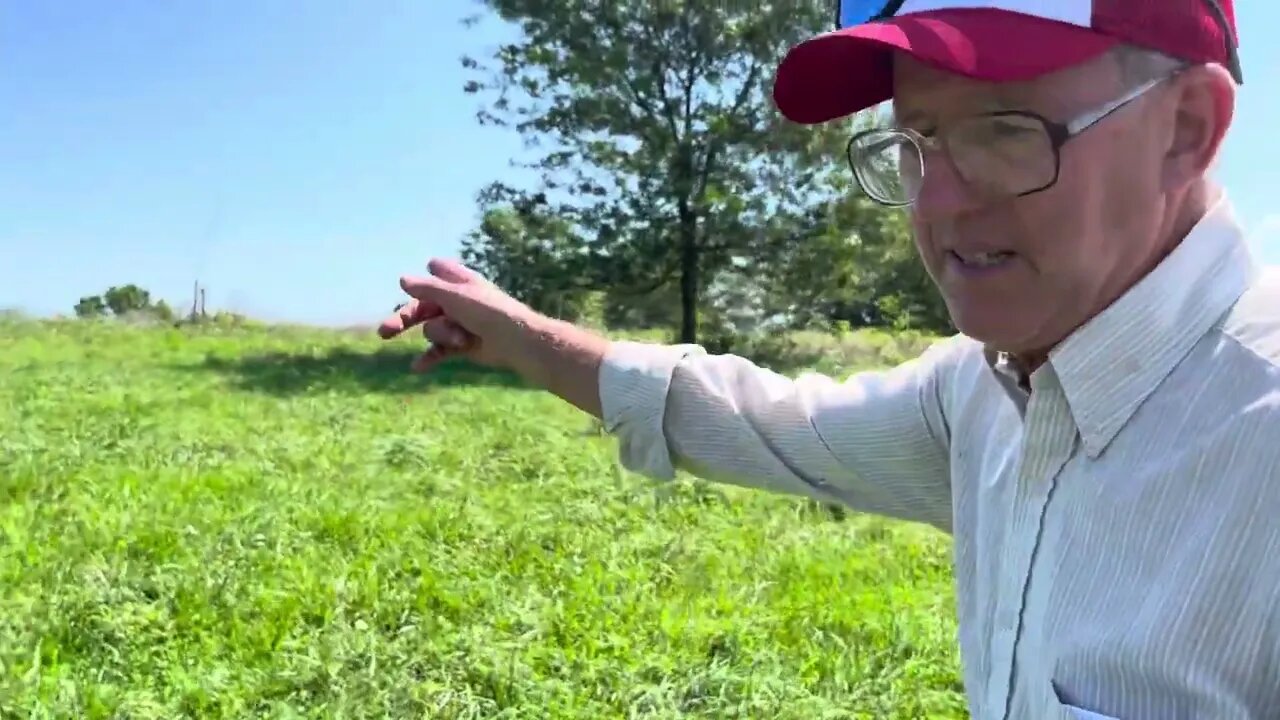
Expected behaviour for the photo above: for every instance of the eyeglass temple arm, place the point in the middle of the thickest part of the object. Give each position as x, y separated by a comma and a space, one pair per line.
1233, 42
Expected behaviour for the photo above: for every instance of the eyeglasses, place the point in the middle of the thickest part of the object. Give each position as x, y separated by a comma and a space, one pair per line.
997, 155
857, 12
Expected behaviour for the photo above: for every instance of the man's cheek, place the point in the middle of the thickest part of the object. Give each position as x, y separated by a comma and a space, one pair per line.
924, 234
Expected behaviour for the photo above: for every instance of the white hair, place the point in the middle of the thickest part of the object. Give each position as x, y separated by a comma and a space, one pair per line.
1138, 64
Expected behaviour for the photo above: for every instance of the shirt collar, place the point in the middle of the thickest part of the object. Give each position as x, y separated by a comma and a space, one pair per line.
1112, 363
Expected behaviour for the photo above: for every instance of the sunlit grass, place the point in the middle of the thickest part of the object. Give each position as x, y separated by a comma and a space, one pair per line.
253, 522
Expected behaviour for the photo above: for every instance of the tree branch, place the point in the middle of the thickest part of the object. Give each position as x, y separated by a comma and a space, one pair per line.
667, 112
717, 141
667, 275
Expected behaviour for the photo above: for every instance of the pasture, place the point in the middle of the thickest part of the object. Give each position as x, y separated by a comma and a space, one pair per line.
257, 522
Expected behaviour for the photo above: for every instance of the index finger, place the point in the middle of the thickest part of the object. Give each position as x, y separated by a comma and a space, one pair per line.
434, 290
411, 313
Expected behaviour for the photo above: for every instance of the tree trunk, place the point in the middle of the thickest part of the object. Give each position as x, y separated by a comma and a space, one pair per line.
688, 275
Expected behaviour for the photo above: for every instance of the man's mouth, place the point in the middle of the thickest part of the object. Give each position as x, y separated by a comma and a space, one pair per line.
979, 260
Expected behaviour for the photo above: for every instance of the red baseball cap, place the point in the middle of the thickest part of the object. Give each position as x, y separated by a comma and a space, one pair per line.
851, 69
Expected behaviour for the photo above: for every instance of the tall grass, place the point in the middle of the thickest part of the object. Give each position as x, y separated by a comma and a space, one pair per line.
232, 522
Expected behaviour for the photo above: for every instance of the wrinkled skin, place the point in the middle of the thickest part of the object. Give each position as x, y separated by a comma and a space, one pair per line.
1129, 189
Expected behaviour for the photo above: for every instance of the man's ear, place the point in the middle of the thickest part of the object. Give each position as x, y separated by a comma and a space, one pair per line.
1203, 106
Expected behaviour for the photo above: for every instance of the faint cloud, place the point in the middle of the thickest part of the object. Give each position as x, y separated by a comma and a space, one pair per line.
1265, 239
1270, 224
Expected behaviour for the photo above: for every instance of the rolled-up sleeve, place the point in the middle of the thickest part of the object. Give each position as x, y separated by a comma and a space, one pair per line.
876, 442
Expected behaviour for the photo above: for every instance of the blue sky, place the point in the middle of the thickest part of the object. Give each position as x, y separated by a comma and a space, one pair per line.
297, 163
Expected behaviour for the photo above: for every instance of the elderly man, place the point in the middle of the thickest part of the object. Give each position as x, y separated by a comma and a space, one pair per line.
1103, 438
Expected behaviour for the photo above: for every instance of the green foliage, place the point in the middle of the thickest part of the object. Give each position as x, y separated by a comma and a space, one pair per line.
233, 522
851, 262
529, 254
125, 301
670, 182
163, 312
662, 155
91, 307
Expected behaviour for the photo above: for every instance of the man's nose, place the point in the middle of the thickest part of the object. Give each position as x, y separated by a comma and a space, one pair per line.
943, 191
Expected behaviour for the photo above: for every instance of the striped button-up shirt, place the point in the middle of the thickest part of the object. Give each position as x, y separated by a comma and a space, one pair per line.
1115, 516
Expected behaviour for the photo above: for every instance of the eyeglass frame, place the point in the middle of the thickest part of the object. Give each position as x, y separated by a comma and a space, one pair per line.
1059, 134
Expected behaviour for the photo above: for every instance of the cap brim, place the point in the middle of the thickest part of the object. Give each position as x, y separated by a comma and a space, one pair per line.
844, 72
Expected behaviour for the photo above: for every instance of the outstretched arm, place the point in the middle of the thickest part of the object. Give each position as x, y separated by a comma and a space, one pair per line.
876, 442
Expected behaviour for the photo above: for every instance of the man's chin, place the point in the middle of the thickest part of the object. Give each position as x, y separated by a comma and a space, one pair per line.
1001, 326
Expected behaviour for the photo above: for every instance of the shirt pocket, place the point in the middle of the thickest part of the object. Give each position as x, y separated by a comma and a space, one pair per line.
1067, 711
1077, 713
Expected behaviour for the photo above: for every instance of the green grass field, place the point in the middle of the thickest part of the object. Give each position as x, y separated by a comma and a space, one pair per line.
214, 522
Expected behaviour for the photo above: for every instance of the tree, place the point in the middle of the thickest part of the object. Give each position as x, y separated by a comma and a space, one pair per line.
122, 300
849, 261
163, 311
663, 156
127, 298
90, 307
535, 257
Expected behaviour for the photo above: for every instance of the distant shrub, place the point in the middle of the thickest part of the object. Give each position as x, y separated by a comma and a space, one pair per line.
91, 307
129, 303
838, 352
225, 318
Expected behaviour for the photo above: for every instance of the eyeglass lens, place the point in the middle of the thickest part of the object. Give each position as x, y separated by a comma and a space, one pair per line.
994, 156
